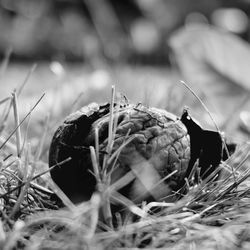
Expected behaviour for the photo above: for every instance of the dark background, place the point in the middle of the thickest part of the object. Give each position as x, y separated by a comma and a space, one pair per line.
117, 31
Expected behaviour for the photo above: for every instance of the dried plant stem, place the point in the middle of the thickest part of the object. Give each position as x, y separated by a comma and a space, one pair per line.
5, 62
101, 185
13, 132
36, 176
106, 208
121, 182
121, 199
208, 112
27, 179
40, 188
19, 90
198, 216
110, 133
114, 157
115, 123
97, 149
5, 100
111, 121
95, 204
64, 198
26, 135
17, 122
118, 151
202, 103
95, 166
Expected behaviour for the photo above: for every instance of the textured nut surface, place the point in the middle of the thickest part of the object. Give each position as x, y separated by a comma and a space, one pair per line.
160, 142
159, 137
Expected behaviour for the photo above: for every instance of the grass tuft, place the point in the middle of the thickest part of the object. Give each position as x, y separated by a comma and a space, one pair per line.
214, 214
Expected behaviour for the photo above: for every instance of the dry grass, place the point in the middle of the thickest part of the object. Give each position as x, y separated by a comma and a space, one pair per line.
215, 214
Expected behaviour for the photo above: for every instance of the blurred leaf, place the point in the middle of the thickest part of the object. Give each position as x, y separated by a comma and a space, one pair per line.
215, 62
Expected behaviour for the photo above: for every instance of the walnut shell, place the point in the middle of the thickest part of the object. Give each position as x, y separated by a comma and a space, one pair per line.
162, 144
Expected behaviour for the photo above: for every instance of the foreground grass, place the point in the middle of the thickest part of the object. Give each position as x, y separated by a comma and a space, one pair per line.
210, 216
215, 214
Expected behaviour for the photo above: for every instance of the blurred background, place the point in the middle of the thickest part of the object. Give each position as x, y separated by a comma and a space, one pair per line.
128, 31
77, 49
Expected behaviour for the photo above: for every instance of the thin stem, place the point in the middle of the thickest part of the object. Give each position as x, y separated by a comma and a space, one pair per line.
13, 132
202, 103
17, 122
35, 177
